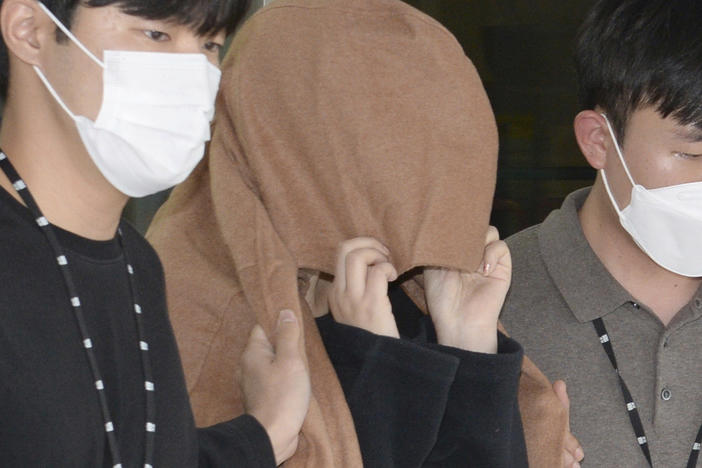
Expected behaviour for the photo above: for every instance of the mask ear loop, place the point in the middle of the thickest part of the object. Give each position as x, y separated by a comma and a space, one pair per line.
621, 158
53, 92
70, 35
80, 45
618, 148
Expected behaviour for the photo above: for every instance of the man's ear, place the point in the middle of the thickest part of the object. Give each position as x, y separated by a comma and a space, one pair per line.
24, 29
593, 137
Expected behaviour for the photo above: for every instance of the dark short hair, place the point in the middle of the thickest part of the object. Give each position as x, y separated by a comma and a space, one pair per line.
203, 16
632, 54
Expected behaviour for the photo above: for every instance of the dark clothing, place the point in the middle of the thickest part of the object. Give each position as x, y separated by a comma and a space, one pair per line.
559, 286
49, 409
419, 404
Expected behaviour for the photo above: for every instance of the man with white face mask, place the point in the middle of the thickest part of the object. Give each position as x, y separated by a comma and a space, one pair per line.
606, 292
107, 99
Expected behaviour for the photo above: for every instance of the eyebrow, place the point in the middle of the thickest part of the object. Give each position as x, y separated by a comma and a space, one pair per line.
693, 135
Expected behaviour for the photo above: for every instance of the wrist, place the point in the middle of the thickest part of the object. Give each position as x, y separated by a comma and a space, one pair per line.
474, 339
282, 439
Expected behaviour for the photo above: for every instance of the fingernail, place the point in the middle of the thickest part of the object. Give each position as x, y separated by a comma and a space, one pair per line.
579, 454
287, 315
486, 269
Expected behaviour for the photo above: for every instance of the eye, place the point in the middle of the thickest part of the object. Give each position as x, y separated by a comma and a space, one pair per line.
687, 155
213, 47
157, 36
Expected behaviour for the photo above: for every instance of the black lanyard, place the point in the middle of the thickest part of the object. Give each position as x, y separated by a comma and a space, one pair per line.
631, 407
87, 343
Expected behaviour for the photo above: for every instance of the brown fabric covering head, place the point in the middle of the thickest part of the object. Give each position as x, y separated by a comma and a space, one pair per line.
336, 119
364, 117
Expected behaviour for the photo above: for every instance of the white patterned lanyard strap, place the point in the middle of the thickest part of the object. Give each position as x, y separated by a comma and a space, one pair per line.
631, 408
87, 342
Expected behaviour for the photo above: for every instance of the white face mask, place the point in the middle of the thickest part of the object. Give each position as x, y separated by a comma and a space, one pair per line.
154, 120
665, 222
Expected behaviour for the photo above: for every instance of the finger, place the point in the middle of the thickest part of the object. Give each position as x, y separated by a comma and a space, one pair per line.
568, 460
559, 387
491, 235
258, 347
431, 276
579, 453
496, 253
286, 339
571, 443
366, 242
348, 246
378, 278
357, 263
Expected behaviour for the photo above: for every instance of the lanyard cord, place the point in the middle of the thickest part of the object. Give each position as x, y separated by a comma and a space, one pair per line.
87, 342
631, 407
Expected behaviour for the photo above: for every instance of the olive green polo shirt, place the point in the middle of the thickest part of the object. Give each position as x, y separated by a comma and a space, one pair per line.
559, 287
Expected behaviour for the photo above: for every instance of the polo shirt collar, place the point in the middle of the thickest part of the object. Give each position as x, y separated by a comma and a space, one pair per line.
588, 288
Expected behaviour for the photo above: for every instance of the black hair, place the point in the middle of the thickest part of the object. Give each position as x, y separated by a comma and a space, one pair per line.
632, 54
205, 17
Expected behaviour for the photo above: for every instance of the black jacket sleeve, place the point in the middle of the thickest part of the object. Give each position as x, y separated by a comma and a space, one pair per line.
425, 405
241, 443
396, 390
482, 426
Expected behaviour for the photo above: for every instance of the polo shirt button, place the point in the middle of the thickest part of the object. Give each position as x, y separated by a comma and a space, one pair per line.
636, 305
698, 303
666, 394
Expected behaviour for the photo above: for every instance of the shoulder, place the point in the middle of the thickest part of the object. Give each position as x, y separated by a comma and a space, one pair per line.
524, 243
527, 258
527, 261
533, 294
23, 247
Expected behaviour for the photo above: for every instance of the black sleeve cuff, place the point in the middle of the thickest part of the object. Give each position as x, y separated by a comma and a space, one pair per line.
484, 393
354, 347
506, 362
397, 391
241, 442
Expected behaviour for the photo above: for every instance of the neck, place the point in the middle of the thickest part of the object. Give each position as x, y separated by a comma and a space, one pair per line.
47, 152
663, 291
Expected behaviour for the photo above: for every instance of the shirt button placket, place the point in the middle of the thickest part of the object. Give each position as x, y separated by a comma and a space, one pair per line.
665, 379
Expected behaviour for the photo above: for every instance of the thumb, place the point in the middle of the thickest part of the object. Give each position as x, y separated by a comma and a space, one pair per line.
287, 335
559, 387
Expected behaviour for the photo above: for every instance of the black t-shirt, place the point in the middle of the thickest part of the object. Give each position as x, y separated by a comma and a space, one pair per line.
49, 409
419, 404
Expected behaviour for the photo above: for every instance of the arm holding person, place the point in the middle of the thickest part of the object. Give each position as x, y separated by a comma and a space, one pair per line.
275, 384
